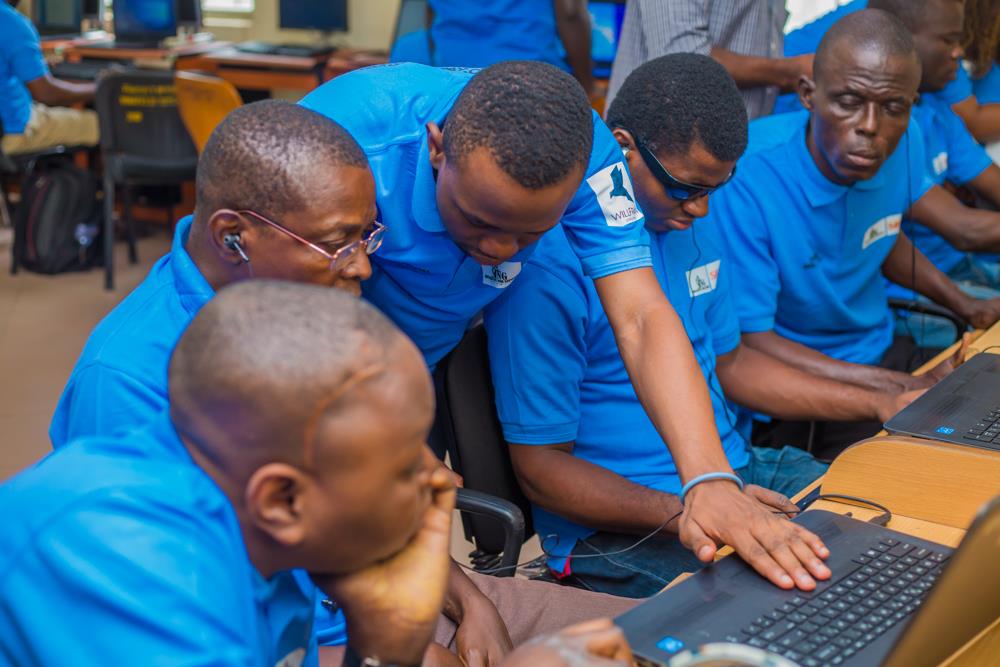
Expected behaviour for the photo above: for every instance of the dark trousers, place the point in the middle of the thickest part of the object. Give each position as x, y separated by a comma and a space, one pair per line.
827, 439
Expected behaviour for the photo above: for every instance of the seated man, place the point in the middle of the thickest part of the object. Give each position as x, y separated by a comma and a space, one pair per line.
282, 192
812, 220
577, 432
294, 442
24, 76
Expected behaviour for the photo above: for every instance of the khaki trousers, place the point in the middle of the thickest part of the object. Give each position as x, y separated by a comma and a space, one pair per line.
53, 126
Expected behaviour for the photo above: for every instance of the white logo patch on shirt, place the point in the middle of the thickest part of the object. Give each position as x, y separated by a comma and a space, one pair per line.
613, 189
703, 279
941, 163
293, 659
887, 226
501, 275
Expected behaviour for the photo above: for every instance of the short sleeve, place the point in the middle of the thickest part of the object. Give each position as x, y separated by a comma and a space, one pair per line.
754, 277
23, 52
537, 348
603, 222
917, 166
100, 400
967, 159
117, 582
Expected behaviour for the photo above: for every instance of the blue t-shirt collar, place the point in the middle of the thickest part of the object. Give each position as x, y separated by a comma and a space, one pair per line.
425, 209
193, 289
818, 189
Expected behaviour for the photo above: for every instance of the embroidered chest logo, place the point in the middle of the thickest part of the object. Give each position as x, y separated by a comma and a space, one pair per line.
613, 189
703, 279
941, 163
887, 226
501, 275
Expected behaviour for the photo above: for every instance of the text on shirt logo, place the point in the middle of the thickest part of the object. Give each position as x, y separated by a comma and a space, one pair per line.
887, 226
941, 163
703, 279
501, 275
613, 189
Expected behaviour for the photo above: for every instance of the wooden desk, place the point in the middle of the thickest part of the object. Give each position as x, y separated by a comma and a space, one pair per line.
177, 57
253, 71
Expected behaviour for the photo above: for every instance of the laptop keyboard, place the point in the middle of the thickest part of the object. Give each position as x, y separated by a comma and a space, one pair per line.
987, 429
828, 626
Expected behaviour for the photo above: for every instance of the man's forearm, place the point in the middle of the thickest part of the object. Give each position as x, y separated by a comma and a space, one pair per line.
908, 267
573, 24
818, 364
982, 120
580, 491
757, 71
966, 228
790, 393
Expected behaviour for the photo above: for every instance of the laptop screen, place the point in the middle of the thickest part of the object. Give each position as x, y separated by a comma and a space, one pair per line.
606, 25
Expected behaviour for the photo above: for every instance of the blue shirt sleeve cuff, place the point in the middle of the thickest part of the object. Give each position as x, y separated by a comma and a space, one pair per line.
756, 324
548, 434
977, 168
616, 261
726, 344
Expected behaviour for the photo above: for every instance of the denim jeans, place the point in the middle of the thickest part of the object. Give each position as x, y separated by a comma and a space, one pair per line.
644, 570
977, 276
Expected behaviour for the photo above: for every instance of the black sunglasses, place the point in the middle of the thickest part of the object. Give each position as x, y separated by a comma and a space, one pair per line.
675, 188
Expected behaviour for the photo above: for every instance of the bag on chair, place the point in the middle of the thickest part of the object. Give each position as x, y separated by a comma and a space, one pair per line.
58, 222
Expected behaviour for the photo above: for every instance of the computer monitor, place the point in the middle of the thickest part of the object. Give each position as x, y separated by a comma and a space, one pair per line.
606, 18
93, 10
189, 14
146, 22
322, 15
54, 17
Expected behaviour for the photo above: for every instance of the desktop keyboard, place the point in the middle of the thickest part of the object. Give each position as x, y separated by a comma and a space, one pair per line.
294, 50
86, 70
828, 626
987, 430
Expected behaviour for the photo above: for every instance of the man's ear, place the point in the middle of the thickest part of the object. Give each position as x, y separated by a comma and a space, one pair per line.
435, 145
276, 503
627, 143
224, 223
806, 89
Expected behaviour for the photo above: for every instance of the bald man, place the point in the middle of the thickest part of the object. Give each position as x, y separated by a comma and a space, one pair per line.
812, 220
295, 442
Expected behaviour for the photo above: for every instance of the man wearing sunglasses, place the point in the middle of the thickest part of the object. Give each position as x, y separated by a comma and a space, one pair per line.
576, 430
282, 193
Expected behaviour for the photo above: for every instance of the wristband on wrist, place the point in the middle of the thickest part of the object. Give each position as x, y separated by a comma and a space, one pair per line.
709, 477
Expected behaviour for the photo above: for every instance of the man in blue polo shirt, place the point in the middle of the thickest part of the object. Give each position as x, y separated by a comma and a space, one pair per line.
812, 220
576, 430
183, 542
470, 170
24, 76
311, 223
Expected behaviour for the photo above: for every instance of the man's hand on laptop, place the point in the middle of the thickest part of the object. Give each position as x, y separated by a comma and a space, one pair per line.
943, 369
981, 313
891, 404
717, 513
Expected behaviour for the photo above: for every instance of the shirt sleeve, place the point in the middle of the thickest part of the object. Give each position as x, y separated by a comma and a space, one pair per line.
675, 26
967, 159
959, 89
102, 400
86, 599
23, 49
754, 275
537, 348
603, 222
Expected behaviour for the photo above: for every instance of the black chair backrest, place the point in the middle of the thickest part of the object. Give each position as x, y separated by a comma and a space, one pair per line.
139, 117
469, 425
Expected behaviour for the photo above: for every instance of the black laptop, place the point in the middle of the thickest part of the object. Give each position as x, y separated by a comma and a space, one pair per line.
963, 408
884, 603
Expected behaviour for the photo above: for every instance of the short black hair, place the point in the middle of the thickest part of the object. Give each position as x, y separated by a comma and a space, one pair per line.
910, 12
673, 101
868, 29
261, 155
534, 119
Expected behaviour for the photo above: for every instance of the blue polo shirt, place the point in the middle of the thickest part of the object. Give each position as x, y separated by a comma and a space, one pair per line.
140, 559
119, 382
420, 278
807, 253
987, 87
481, 33
952, 155
558, 375
21, 61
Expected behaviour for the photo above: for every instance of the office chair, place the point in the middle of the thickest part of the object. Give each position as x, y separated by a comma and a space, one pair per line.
144, 142
467, 422
203, 102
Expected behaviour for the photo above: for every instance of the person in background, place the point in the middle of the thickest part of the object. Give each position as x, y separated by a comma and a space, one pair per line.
744, 35
34, 113
981, 109
812, 221
294, 447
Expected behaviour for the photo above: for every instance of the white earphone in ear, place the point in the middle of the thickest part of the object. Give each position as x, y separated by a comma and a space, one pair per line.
625, 151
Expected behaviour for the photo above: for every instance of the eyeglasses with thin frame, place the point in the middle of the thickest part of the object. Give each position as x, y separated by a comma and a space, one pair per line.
370, 241
675, 188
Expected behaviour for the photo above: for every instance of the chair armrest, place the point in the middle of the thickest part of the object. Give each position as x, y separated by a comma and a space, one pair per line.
926, 308
510, 517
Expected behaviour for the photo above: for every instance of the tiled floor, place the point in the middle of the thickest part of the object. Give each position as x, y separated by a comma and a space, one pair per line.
44, 322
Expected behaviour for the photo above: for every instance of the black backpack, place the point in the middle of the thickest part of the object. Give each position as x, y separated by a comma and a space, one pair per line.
57, 225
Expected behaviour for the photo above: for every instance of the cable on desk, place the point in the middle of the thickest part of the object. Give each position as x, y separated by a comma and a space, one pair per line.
880, 520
